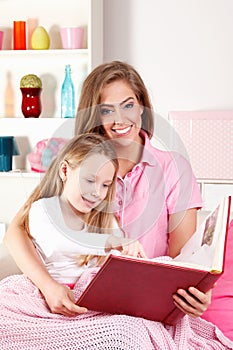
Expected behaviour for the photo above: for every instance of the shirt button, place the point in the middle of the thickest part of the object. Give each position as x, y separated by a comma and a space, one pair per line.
129, 175
120, 202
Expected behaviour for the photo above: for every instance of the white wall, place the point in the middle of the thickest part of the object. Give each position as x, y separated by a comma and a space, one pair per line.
183, 49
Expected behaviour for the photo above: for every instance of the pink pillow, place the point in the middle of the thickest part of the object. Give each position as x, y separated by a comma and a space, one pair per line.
220, 312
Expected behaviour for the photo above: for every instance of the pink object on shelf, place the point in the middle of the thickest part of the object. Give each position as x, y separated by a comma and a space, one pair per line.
208, 138
44, 153
72, 37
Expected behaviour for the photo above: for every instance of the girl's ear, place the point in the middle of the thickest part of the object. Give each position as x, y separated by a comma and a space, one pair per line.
63, 170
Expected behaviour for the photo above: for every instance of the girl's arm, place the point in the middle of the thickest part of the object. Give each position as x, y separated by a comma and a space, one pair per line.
181, 227
58, 297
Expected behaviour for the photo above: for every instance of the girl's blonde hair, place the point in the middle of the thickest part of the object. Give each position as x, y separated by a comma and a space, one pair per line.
88, 118
100, 219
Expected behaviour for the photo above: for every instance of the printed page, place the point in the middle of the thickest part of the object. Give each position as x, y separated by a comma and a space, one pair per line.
206, 246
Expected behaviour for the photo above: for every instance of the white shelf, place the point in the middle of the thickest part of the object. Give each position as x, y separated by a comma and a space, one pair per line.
20, 174
49, 65
42, 52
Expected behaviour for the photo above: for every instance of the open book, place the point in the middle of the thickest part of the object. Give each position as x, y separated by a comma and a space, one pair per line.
144, 287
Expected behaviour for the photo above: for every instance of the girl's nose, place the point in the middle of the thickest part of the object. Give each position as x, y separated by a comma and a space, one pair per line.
96, 192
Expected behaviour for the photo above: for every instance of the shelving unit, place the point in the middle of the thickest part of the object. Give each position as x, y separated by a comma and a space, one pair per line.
49, 65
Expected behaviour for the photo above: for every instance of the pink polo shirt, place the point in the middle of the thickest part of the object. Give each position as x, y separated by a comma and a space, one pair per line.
162, 183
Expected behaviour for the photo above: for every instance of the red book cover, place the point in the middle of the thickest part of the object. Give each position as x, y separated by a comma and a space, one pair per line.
144, 287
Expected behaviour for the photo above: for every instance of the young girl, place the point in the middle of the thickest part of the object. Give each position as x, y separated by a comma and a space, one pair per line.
70, 220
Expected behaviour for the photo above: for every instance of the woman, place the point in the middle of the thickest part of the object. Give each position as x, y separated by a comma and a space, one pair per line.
156, 202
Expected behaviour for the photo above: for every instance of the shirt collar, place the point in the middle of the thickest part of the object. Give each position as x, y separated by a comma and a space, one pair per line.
148, 154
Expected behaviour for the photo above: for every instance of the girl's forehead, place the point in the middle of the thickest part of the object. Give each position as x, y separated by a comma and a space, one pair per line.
97, 166
95, 161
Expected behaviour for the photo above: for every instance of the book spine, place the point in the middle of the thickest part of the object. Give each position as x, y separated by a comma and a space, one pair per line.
206, 283
173, 317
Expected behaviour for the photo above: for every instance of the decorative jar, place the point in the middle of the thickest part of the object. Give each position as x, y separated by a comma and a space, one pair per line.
31, 103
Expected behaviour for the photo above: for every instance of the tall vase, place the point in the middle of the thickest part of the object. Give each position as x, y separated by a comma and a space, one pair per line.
31, 103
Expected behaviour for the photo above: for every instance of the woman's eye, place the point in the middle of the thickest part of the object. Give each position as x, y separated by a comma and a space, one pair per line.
106, 111
129, 105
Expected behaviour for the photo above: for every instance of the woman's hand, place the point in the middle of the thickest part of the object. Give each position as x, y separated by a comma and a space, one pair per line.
60, 300
194, 303
126, 246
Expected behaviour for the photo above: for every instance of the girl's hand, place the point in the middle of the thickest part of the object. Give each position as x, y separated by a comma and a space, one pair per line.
60, 300
194, 303
126, 246
133, 248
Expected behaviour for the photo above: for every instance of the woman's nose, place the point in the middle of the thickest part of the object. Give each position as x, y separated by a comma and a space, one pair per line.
118, 115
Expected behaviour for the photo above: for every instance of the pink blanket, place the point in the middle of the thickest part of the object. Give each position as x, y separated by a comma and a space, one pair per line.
27, 324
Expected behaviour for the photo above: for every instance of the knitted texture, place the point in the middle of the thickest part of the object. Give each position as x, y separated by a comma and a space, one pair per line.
27, 324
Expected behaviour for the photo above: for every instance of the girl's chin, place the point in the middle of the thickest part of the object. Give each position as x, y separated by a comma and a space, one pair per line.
87, 207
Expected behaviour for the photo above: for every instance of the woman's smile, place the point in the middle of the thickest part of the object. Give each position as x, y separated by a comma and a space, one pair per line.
122, 130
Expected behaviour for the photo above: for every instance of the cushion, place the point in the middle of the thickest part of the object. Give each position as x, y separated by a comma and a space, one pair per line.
220, 312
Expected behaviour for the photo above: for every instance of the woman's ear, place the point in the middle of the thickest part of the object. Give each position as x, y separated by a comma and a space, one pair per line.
63, 170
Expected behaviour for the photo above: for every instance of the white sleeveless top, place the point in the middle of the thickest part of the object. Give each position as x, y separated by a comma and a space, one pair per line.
58, 245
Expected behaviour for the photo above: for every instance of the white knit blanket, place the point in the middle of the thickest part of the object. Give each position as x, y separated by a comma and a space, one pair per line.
27, 324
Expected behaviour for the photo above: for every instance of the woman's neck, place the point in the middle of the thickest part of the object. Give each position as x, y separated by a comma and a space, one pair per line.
128, 156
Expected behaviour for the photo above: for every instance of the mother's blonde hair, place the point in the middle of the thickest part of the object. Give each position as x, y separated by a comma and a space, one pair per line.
74, 153
88, 118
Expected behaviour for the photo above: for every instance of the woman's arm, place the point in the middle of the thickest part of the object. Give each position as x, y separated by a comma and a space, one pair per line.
181, 227
58, 297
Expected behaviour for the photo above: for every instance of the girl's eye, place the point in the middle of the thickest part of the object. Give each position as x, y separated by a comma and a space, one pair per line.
90, 181
106, 185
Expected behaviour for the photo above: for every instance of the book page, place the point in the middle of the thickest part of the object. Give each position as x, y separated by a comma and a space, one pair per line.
207, 240
165, 260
